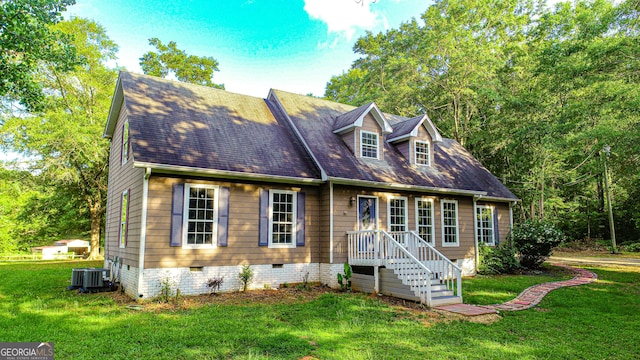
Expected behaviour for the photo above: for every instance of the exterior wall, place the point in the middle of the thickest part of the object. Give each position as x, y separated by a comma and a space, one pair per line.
504, 225
324, 218
193, 281
346, 215
244, 218
329, 274
121, 178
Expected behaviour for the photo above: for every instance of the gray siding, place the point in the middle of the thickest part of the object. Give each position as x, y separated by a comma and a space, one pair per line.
244, 212
346, 215
121, 178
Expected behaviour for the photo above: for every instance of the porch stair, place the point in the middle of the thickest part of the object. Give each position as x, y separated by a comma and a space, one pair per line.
408, 275
427, 274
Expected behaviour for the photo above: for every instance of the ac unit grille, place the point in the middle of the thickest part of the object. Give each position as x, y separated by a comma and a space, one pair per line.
77, 277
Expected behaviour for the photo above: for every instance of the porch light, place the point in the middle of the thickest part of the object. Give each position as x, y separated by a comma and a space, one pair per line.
352, 200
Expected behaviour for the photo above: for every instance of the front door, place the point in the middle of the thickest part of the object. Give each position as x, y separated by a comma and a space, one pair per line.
367, 220
367, 213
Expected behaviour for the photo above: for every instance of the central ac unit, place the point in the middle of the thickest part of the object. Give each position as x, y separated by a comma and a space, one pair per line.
94, 278
77, 279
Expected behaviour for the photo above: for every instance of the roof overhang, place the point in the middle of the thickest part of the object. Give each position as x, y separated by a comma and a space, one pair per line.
114, 110
395, 186
428, 125
377, 115
223, 174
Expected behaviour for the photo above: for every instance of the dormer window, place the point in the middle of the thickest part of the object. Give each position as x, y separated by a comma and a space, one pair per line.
369, 144
422, 153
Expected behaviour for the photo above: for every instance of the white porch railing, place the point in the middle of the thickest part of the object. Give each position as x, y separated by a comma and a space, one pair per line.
443, 269
414, 260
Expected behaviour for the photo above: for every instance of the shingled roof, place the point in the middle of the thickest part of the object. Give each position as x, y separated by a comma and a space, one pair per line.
191, 128
182, 125
454, 169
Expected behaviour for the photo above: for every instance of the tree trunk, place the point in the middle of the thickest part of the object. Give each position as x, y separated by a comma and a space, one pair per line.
96, 217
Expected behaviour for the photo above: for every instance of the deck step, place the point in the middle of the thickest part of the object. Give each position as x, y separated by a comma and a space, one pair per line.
445, 300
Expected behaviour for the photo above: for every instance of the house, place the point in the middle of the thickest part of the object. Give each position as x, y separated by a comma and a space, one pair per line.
76, 246
61, 248
203, 181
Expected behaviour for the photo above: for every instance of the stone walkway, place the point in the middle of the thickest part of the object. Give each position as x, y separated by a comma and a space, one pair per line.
527, 299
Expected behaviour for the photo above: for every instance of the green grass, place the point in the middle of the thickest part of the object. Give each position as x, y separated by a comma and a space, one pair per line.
595, 321
495, 289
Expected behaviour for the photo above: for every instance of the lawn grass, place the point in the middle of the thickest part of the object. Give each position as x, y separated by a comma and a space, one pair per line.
594, 321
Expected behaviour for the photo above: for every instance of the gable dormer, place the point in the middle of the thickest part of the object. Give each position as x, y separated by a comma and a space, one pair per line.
363, 130
414, 138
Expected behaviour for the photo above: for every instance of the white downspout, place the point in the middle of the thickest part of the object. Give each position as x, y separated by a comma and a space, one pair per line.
143, 229
511, 216
330, 222
475, 230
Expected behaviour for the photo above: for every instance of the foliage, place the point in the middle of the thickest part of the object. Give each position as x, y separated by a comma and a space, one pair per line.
65, 140
533, 241
345, 279
533, 91
214, 284
317, 327
26, 41
187, 68
245, 276
635, 247
499, 259
166, 290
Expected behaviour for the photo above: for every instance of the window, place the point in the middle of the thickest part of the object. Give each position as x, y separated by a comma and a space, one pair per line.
200, 222
484, 225
124, 218
125, 142
398, 214
449, 222
368, 144
422, 153
282, 217
424, 219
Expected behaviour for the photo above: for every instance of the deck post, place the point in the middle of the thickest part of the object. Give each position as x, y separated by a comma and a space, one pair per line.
376, 280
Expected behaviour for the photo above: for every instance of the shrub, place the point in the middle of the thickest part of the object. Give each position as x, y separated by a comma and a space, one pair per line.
500, 259
214, 284
635, 247
245, 276
345, 279
533, 241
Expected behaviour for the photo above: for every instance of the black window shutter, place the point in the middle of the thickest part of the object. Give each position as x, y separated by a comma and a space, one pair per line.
223, 216
300, 206
496, 231
177, 208
263, 230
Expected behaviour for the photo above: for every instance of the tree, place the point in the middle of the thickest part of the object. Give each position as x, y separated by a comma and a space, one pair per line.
533, 92
187, 68
26, 40
66, 138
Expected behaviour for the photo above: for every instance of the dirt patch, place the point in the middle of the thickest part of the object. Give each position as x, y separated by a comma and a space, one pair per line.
404, 309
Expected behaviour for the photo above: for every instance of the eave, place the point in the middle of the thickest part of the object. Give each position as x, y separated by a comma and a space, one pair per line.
114, 110
224, 174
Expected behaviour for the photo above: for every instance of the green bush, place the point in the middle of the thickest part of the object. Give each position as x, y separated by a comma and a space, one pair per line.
533, 241
635, 247
500, 259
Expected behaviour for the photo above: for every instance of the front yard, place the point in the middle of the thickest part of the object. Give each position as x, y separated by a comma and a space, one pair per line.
598, 321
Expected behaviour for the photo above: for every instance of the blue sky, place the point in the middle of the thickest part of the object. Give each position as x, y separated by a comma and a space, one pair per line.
293, 45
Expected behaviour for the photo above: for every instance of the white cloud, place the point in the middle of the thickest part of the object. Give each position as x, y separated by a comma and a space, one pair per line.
344, 16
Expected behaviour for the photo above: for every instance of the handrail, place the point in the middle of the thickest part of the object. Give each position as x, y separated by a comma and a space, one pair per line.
417, 236
405, 251
422, 262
